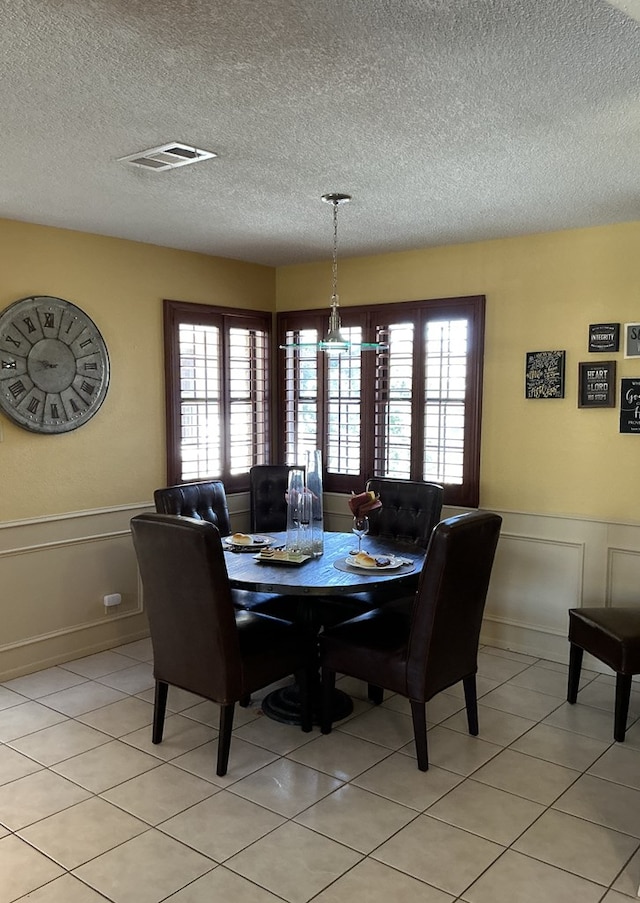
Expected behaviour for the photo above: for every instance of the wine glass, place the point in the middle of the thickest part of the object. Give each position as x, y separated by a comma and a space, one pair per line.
360, 528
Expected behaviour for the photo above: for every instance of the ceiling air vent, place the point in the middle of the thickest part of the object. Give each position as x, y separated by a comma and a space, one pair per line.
168, 156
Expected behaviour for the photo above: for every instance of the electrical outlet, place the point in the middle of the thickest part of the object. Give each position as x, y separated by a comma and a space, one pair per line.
111, 600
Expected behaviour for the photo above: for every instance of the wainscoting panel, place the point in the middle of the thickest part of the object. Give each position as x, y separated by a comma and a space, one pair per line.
530, 576
623, 584
55, 573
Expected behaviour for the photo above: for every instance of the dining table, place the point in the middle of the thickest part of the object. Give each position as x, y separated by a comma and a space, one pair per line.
302, 586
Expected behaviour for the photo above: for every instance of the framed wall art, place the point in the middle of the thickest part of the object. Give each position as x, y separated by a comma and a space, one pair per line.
597, 384
604, 337
544, 374
632, 339
630, 406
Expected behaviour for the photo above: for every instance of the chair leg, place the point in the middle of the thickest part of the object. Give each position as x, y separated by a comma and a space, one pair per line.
623, 692
471, 702
224, 739
375, 694
575, 666
304, 679
328, 686
245, 701
419, 715
159, 709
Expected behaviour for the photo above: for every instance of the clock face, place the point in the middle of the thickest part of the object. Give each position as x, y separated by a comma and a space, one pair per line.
54, 365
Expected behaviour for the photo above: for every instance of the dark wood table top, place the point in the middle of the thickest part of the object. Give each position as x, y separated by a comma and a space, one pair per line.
319, 576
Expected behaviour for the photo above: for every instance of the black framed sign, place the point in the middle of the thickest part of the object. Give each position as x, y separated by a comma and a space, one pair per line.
604, 337
632, 339
630, 406
544, 374
597, 384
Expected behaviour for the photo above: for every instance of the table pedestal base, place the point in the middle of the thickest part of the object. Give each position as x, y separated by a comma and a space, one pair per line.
283, 705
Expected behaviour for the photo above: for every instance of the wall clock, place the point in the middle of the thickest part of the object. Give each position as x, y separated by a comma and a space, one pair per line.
54, 365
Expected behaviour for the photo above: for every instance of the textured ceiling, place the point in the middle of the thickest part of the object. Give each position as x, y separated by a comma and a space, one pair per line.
447, 120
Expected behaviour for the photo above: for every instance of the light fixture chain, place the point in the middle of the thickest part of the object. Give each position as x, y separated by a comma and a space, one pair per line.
334, 294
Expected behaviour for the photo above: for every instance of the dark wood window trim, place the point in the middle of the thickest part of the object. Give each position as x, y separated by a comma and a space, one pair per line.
181, 312
372, 319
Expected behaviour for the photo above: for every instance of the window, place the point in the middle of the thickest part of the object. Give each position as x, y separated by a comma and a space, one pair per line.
217, 373
409, 411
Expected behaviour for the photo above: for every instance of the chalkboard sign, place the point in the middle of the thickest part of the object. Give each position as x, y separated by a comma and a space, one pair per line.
544, 374
596, 384
630, 406
604, 337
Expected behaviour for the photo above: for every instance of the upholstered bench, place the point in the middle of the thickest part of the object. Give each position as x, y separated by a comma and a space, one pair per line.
611, 635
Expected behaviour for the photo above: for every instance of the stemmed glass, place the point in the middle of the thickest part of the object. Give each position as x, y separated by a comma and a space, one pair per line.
360, 528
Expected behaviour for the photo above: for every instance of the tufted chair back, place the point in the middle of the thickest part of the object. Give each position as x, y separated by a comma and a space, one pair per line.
267, 488
203, 501
410, 509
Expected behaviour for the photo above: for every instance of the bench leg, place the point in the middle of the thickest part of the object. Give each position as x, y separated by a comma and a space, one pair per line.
623, 692
575, 665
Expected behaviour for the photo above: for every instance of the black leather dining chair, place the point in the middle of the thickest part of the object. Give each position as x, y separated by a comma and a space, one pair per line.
267, 497
207, 501
611, 635
419, 653
201, 642
410, 509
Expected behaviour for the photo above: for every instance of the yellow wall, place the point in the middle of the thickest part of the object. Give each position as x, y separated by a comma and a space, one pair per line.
542, 291
118, 457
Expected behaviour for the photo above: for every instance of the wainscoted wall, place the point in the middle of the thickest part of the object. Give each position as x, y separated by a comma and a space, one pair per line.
54, 573
546, 564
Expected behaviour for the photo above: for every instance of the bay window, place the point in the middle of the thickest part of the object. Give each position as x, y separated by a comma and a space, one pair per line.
410, 410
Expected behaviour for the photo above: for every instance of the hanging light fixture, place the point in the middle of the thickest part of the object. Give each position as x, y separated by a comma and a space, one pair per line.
334, 342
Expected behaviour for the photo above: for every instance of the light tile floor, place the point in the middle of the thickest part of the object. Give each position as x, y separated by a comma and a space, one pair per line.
542, 806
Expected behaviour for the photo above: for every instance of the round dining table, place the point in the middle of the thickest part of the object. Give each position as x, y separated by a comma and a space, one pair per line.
327, 575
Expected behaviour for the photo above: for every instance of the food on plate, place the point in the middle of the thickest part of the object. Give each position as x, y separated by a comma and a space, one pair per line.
241, 539
365, 560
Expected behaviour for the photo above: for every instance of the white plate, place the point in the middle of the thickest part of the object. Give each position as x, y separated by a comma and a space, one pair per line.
257, 542
393, 564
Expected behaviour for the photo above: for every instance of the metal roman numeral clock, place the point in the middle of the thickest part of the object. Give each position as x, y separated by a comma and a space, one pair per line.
54, 365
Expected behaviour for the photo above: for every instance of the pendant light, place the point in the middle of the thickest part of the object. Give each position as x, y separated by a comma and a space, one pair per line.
334, 342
